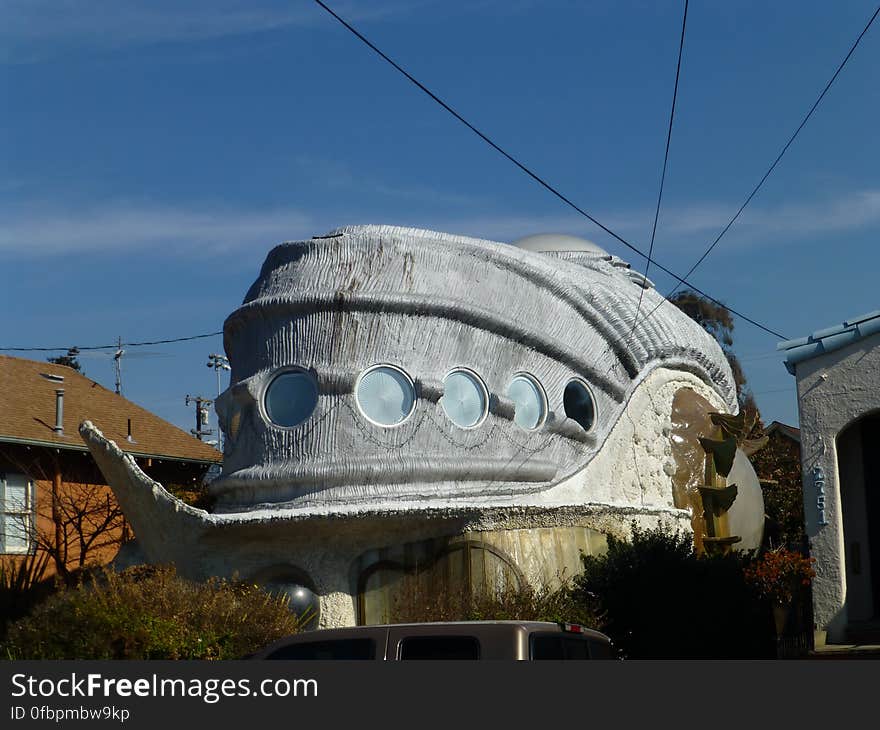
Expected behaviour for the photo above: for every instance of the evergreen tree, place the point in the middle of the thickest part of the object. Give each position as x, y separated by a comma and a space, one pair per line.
69, 360
717, 320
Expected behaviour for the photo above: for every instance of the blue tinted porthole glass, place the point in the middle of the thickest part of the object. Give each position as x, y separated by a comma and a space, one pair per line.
465, 399
528, 396
291, 397
579, 404
385, 395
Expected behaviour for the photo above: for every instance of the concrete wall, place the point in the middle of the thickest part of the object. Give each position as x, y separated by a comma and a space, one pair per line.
834, 391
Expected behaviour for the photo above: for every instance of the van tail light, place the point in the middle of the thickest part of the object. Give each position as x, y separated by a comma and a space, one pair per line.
572, 628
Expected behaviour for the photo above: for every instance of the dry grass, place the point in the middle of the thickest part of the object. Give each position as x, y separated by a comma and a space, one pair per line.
514, 604
150, 613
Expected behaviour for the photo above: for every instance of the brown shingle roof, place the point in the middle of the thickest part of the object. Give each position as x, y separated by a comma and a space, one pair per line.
790, 431
27, 414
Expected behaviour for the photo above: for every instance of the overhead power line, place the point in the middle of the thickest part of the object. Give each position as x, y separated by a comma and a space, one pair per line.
769, 170
780, 155
543, 183
665, 162
113, 346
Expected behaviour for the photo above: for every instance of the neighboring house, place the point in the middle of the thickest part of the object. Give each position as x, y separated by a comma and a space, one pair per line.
838, 385
783, 430
778, 464
53, 497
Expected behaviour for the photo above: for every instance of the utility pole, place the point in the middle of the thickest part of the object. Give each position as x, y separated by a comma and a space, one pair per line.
202, 416
218, 362
117, 363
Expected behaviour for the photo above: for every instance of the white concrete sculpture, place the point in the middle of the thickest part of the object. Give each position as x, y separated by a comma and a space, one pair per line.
391, 385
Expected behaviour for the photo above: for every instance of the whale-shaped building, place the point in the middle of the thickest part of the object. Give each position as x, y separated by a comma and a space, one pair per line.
408, 402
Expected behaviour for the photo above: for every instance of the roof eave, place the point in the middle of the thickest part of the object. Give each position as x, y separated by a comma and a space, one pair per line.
75, 447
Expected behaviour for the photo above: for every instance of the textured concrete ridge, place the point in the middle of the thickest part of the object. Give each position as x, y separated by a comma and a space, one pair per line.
429, 303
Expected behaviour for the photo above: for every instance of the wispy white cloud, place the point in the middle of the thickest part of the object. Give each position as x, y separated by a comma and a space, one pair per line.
121, 227
39, 230
690, 226
859, 209
693, 227
31, 30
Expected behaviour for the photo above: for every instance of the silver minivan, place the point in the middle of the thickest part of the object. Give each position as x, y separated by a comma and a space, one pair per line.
522, 640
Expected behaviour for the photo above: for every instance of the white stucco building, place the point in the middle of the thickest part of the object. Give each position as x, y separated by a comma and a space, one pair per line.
838, 387
407, 405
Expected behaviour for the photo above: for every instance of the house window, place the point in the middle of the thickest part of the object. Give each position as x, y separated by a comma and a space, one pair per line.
579, 404
465, 400
385, 395
531, 403
16, 514
443, 581
290, 398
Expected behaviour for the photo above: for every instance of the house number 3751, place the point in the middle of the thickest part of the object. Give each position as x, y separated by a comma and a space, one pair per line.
819, 482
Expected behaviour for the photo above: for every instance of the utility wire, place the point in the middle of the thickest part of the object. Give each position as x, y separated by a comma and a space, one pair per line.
773, 166
665, 161
551, 189
784, 149
543, 183
114, 346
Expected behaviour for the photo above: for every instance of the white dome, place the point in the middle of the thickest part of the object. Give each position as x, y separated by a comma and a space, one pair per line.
557, 242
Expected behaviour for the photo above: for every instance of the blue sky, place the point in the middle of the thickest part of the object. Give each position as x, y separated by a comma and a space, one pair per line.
151, 153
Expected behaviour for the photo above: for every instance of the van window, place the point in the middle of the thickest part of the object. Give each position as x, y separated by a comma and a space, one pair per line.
558, 646
439, 647
331, 649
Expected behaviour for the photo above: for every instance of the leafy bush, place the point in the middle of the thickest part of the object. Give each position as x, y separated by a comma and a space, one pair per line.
150, 612
661, 600
779, 573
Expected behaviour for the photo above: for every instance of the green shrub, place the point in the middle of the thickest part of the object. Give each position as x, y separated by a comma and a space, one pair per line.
150, 612
661, 600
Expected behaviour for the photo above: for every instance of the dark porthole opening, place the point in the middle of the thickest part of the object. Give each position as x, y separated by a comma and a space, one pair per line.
295, 587
301, 600
579, 405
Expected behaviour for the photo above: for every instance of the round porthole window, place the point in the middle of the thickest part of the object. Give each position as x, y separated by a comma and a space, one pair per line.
579, 404
291, 397
531, 404
465, 400
385, 395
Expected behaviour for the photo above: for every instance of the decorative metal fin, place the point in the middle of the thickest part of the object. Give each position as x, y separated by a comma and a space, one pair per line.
723, 452
718, 499
738, 426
